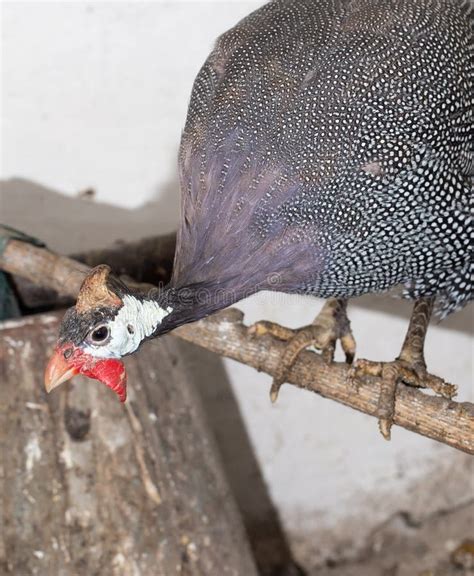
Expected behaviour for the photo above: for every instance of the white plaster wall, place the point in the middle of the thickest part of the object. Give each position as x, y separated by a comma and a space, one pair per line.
95, 95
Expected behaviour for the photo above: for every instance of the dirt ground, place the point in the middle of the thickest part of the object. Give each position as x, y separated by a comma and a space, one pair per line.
443, 545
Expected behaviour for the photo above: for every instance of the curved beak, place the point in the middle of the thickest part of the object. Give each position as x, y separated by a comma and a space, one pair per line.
109, 371
58, 371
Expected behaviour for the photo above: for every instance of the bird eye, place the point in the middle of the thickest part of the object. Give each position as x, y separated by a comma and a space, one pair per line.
99, 335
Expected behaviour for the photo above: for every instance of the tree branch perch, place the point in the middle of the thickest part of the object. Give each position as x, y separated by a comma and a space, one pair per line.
224, 333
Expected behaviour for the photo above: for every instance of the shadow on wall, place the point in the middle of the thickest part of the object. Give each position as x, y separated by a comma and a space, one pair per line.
260, 517
78, 223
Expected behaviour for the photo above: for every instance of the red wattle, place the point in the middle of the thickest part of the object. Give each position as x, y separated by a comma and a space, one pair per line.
109, 371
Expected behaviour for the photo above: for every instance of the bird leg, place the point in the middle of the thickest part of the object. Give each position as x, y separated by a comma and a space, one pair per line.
409, 367
330, 325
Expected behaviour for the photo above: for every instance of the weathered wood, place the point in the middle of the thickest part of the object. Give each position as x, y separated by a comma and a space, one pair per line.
148, 260
443, 420
58, 273
90, 486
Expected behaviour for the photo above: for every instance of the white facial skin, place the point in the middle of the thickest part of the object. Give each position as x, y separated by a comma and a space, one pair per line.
135, 321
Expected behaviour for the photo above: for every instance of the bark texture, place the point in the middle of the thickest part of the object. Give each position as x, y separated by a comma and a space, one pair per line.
149, 260
90, 486
443, 420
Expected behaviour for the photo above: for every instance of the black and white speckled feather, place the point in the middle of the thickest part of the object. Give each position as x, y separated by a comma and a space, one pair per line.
329, 144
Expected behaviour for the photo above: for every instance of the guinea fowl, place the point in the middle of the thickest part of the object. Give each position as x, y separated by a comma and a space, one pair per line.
327, 150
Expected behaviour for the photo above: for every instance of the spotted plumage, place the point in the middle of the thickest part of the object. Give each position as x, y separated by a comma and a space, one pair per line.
328, 150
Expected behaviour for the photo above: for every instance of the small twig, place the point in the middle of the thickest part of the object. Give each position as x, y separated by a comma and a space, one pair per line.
443, 420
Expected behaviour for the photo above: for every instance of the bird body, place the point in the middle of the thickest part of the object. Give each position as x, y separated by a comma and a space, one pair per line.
327, 150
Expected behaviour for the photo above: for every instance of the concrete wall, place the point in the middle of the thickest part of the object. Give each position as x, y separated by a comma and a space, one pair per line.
95, 95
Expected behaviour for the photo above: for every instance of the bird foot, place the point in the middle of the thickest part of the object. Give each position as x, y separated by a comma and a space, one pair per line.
329, 326
412, 373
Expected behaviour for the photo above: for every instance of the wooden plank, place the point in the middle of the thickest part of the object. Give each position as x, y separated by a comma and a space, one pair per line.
90, 486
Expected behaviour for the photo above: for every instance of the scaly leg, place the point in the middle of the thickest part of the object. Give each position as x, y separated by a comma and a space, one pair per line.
330, 325
409, 367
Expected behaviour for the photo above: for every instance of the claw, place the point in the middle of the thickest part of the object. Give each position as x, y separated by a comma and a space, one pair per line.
329, 326
385, 427
348, 344
274, 391
392, 373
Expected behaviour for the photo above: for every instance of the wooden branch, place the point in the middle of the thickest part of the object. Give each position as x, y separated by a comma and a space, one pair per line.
438, 418
147, 260
43, 267
443, 420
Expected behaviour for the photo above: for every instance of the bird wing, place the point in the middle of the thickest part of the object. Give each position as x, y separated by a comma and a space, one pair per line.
301, 124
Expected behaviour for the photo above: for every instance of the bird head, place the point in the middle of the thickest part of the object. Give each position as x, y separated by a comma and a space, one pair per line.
107, 323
